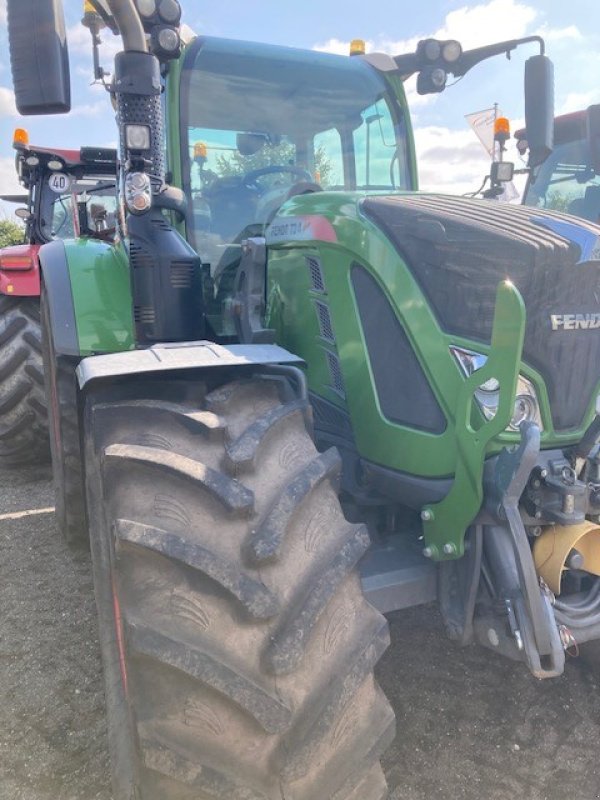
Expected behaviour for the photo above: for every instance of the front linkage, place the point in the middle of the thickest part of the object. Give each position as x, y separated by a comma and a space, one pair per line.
503, 590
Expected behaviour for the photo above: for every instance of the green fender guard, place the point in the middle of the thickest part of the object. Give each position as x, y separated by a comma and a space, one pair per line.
445, 523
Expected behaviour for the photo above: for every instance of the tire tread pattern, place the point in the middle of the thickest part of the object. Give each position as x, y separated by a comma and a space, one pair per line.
23, 417
263, 688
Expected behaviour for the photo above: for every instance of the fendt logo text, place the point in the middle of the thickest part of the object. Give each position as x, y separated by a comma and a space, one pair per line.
575, 322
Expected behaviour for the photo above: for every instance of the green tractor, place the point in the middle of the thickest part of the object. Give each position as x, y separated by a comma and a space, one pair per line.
295, 393
68, 193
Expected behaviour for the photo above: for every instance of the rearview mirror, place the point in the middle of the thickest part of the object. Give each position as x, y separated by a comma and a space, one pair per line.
248, 144
539, 108
39, 56
593, 137
23, 213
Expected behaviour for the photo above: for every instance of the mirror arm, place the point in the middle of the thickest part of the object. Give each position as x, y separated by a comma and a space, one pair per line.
472, 57
129, 24
409, 63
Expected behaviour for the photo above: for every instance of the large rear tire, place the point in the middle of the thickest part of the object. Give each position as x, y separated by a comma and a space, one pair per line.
23, 414
238, 648
65, 446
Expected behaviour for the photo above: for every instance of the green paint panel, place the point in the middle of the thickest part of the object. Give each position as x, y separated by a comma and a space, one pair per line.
359, 241
101, 289
294, 310
292, 314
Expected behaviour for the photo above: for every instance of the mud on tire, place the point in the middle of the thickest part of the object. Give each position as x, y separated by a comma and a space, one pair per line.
238, 648
23, 414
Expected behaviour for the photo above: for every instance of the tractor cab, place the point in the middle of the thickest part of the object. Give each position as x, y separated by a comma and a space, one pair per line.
70, 193
261, 124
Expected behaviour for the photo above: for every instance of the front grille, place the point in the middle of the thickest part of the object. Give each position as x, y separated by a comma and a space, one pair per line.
459, 250
335, 372
330, 418
182, 273
316, 274
145, 315
161, 224
140, 257
325, 324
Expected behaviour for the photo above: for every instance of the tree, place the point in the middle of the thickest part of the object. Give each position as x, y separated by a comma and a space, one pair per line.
10, 233
283, 154
558, 201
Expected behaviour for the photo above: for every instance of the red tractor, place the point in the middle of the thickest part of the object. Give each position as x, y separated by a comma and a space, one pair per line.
70, 193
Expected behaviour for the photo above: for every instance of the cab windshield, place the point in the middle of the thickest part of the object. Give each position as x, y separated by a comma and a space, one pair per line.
70, 206
566, 182
87, 207
263, 123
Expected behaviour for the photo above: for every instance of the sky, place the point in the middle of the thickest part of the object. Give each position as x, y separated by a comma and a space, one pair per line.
450, 157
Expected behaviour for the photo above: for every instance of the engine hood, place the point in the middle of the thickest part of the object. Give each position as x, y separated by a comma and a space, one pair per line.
459, 249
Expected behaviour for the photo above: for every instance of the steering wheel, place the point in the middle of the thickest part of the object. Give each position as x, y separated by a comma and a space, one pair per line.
250, 178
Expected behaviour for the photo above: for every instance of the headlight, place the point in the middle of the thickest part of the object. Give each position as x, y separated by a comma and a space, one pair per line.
138, 192
137, 137
431, 49
170, 11
487, 395
165, 42
451, 51
147, 8
526, 407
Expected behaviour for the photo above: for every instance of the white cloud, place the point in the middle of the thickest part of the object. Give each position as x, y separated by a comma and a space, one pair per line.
7, 102
2, 12
487, 22
80, 43
339, 47
450, 161
569, 34
473, 26
93, 109
453, 161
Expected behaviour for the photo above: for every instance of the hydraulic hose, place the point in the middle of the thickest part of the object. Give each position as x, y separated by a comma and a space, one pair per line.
129, 24
583, 604
576, 622
579, 611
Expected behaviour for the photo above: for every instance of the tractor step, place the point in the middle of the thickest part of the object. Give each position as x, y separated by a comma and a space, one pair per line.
394, 576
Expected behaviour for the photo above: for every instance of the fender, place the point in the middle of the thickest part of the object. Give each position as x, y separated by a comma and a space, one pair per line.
89, 294
20, 270
173, 357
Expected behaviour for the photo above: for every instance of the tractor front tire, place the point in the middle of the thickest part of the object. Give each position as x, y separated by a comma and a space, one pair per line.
23, 414
67, 465
238, 648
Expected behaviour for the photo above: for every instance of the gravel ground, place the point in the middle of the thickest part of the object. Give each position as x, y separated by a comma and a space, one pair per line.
470, 725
